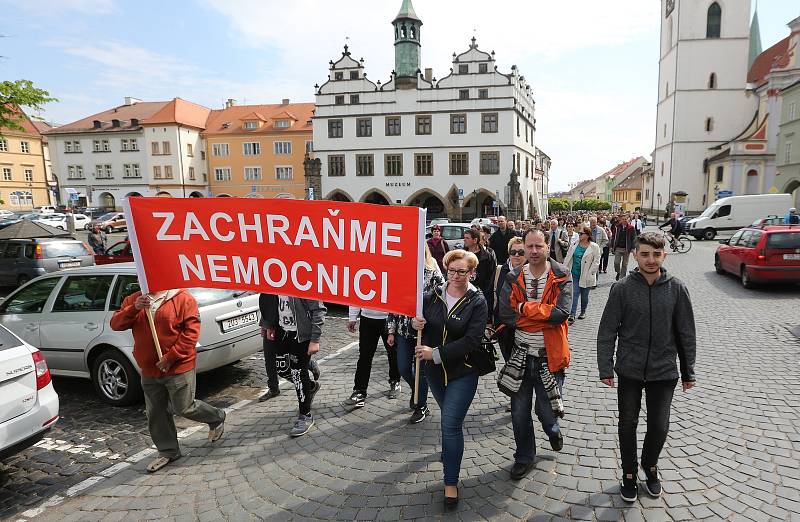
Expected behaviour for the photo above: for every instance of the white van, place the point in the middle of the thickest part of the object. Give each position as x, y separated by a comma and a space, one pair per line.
46, 209
734, 212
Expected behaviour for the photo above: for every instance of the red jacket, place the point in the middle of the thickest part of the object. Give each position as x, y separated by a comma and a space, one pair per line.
177, 323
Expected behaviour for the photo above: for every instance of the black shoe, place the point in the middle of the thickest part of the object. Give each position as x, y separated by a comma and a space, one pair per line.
314, 367
356, 400
519, 470
419, 415
582, 316
571, 320
269, 395
394, 389
652, 482
450, 502
557, 442
312, 393
628, 488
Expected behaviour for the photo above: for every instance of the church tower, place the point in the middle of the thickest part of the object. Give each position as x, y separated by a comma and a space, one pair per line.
702, 96
407, 47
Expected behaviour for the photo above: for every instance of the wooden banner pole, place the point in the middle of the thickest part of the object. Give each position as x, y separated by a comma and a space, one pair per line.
417, 372
149, 312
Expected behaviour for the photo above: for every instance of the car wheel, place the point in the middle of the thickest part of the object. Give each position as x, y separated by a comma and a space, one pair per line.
709, 234
718, 265
747, 282
86, 227
115, 379
109, 229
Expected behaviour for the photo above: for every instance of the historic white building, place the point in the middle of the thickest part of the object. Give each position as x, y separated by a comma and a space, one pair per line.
135, 149
702, 94
454, 146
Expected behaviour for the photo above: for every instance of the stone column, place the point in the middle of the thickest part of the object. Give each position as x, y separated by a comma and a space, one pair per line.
313, 176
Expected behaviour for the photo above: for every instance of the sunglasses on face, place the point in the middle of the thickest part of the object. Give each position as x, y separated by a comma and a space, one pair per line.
516, 252
460, 273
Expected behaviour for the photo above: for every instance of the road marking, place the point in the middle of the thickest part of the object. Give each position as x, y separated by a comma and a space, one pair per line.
60, 445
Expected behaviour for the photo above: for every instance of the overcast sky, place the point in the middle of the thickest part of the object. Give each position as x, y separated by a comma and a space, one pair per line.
593, 65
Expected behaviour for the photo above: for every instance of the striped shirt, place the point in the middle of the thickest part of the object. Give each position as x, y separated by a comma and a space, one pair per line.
534, 287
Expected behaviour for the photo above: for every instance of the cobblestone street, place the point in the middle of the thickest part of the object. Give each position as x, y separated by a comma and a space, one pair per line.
733, 451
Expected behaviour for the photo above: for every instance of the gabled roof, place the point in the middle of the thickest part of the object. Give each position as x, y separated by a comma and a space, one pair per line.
255, 115
41, 126
25, 122
631, 181
300, 112
619, 169
181, 112
125, 113
775, 56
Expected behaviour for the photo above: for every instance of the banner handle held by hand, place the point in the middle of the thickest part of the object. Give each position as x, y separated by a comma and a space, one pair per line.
149, 312
416, 373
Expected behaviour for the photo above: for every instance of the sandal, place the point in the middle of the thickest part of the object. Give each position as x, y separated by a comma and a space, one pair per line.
160, 462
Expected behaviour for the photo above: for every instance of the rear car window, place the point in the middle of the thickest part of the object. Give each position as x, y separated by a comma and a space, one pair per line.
783, 240
31, 299
7, 340
64, 248
128, 284
83, 294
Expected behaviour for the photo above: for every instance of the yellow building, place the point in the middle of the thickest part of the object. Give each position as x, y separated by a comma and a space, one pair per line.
258, 150
23, 183
627, 195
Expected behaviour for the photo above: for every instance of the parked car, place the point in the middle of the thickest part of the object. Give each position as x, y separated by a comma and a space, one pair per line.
67, 316
28, 401
769, 253
453, 233
728, 215
117, 253
60, 221
439, 221
32, 216
769, 220
111, 222
46, 209
6, 214
92, 212
24, 259
6, 222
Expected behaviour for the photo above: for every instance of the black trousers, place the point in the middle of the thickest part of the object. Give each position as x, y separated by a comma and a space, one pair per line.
369, 332
659, 399
270, 352
298, 366
604, 259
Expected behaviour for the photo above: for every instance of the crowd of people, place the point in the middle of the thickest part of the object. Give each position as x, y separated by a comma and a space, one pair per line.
520, 287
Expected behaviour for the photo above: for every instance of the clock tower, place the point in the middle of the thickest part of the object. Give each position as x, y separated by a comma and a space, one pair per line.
702, 96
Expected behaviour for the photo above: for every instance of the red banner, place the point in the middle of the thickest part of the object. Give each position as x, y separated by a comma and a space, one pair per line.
357, 254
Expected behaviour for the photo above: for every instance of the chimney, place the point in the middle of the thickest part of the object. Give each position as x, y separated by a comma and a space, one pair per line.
115, 123
230, 103
428, 74
129, 100
96, 124
285, 101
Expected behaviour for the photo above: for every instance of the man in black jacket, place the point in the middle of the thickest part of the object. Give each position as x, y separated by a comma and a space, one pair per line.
623, 243
650, 319
498, 242
487, 263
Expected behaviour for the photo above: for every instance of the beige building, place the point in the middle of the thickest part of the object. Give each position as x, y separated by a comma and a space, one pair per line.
23, 183
258, 150
627, 195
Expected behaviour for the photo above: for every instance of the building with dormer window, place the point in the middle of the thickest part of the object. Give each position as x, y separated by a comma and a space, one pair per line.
462, 146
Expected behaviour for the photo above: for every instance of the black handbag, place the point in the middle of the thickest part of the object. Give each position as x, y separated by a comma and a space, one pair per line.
484, 357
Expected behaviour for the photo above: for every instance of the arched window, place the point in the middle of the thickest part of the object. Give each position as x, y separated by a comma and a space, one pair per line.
413, 33
403, 31
712, 81
714, 21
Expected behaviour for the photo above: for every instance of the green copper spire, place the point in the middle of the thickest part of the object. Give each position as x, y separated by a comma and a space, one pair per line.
407, 46
755, 40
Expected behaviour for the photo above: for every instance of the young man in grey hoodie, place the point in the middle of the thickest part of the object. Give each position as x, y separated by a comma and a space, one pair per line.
649, 318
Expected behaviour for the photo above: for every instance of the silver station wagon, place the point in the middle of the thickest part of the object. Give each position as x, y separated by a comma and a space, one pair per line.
67, 316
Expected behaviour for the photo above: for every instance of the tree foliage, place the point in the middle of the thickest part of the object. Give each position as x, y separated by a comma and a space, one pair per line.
591, 204
557, 204
19, 93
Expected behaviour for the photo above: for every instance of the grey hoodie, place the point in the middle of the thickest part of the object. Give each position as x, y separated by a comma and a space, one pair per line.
651, 326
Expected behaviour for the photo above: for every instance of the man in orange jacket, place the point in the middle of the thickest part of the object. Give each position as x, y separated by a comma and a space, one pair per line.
537, 301
170, 380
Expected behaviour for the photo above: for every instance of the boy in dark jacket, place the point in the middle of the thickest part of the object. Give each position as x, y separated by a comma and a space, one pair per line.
650, 319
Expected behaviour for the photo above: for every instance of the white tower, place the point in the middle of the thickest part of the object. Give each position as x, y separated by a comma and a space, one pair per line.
702, 98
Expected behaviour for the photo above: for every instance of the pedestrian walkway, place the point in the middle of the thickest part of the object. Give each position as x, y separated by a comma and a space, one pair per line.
732, 454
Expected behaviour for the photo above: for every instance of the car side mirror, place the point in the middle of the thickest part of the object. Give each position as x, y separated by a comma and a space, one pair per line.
724, 241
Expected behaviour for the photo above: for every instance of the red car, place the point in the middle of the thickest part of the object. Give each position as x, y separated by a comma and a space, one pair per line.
761, 254
116, 253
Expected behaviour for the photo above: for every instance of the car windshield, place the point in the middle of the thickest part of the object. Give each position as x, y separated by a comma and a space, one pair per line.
709, 211
64, 248
209, 296
783, 240
106, 217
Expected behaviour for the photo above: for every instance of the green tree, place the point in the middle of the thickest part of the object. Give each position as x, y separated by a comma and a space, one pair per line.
557, 204
19, 93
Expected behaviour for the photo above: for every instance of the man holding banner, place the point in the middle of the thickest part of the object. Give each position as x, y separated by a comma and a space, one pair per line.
168, 377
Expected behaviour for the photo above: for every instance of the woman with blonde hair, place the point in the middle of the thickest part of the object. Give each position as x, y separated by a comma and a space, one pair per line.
404, 338
452, 327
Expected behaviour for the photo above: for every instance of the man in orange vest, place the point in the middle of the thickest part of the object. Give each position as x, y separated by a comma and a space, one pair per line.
537, 301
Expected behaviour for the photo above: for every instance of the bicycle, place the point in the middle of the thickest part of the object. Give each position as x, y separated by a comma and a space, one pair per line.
680, 244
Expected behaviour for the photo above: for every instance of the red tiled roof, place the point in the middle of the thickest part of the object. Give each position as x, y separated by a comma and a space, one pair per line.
632, 181
180, 111
41, 126
139, 111
619, 169
25, 122
300, 112
776, 55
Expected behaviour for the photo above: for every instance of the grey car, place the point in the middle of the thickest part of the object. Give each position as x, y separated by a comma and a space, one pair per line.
24, 259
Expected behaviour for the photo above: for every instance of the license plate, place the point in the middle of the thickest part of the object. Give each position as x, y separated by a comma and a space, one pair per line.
791, 257
69, 264
240, 321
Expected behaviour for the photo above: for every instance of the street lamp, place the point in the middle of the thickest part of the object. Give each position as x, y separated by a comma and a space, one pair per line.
658, 212
581, 194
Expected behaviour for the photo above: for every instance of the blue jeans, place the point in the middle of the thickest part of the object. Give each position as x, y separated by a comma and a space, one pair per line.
578, 292
405, 348
454, 401
521, 404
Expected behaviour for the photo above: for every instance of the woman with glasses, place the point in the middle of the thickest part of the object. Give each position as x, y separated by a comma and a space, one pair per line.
516, 258
452, 327
583, 259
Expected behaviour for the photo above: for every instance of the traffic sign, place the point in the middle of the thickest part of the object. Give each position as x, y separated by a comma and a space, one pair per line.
310, 192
